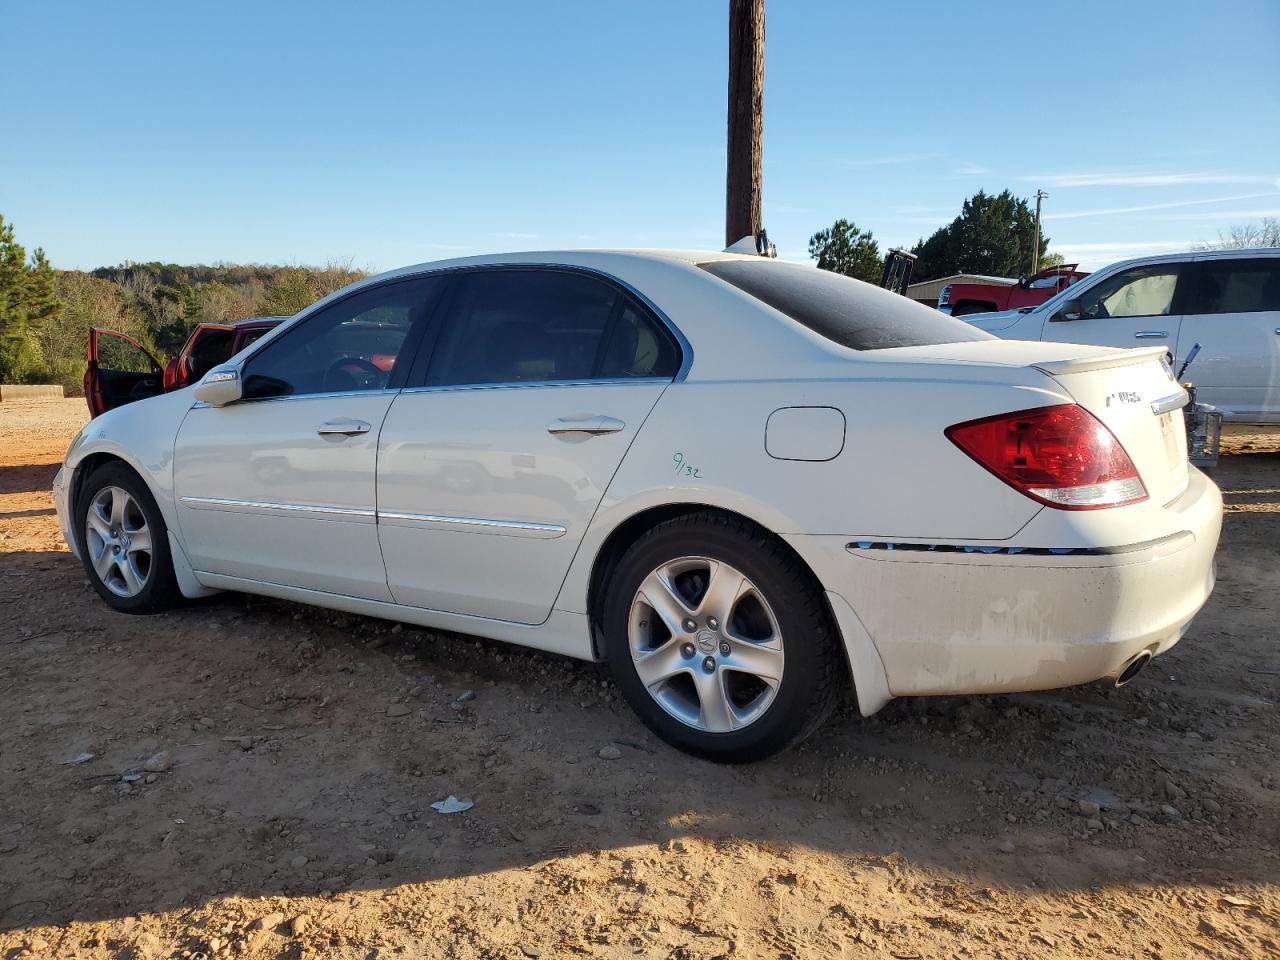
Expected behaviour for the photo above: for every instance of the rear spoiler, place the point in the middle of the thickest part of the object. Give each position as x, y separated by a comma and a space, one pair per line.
1119, 357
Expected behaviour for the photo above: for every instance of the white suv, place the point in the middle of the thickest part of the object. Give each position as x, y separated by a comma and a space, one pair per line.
1228, 301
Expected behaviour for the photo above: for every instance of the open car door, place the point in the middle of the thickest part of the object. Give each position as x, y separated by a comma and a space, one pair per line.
120, 371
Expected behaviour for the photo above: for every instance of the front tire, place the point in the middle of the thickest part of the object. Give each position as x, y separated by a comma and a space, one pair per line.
720, 638
123, 542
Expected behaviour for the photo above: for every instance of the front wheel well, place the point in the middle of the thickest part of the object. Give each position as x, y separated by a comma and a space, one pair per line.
636, 526
85, 469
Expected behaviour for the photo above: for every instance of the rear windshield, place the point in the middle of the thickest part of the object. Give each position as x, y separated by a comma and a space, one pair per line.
846, 311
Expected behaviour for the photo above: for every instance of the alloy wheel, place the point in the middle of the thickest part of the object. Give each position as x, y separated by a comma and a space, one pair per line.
706, 644
118, 541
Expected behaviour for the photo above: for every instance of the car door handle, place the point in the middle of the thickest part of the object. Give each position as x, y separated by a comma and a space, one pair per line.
1150, 334
342, 428
592, 425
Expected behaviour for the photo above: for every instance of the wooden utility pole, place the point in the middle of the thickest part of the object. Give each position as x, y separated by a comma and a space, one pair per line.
746, 119
1035, 254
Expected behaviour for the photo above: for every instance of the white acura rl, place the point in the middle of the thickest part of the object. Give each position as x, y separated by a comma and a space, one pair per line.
739, 481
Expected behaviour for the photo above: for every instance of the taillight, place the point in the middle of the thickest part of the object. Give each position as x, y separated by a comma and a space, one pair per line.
945, 296
1062, 456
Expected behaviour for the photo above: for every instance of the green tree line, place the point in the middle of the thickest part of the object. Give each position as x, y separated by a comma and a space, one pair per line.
994, 235
45, 314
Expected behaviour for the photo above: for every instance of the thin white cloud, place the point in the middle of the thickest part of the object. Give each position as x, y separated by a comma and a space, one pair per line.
1146, 207
1232, 216
972, 170
1094, 255
511, 235
1121, 179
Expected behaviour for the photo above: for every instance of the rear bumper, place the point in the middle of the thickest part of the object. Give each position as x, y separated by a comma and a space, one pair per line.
947, 621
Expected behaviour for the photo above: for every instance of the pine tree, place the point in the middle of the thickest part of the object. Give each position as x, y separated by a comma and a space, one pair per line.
28, 300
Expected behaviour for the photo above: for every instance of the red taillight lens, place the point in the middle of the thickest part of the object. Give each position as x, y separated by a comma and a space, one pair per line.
944, 297
1062, 456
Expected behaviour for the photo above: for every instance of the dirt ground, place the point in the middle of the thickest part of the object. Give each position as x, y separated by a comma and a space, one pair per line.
288, 814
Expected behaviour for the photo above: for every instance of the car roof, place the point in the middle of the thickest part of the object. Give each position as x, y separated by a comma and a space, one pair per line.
1232, 253
258, 322
599, 259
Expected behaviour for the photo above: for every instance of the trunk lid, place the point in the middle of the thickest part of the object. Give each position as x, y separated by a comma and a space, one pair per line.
1118, 386
1134, 393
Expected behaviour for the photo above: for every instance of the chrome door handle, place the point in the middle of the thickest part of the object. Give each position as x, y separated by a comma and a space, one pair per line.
592, 425
342, 428
1150, 334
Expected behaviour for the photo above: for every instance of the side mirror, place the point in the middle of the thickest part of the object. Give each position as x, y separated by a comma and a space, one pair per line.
1071, 310
220, 386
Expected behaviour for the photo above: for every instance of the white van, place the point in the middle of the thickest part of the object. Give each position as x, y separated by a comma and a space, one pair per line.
1228, 301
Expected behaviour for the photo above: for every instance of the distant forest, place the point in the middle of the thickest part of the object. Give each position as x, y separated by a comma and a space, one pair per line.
45, 314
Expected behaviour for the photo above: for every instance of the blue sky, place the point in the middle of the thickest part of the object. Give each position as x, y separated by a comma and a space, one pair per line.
393, 133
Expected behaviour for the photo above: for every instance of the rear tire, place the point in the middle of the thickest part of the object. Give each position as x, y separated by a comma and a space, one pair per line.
734, 669
966, 309
123, 541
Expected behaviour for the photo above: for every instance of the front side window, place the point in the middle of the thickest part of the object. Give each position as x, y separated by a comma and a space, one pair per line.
1138, 292
355, 344
1239, 286
531, 326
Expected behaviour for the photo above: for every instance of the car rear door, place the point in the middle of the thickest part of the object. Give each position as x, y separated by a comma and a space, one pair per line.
120, 370
494, 459
1139, 306
278, 487
1235, 318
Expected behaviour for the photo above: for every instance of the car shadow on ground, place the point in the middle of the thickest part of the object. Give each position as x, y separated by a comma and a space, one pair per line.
250, 747
27, 478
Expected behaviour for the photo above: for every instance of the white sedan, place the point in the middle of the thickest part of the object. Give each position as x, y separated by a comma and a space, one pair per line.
739, 481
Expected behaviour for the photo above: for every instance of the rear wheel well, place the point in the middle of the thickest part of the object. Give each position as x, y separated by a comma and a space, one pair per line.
633, 528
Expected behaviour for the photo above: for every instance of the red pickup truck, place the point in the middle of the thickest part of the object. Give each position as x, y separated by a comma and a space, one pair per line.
962, 299
121, 370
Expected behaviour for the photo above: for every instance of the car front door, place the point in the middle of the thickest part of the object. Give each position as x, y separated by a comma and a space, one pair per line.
1135, 307
1235, 318
278, 487
493, 461
119, 371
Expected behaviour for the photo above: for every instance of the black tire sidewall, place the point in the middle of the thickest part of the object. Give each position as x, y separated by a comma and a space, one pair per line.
161, 588
789, 594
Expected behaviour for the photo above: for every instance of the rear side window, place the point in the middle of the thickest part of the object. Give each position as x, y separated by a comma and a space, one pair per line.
845, 311
530, 326
1238, 286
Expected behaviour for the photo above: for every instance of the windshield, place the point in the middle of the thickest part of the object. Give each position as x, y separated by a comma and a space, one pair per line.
846, 311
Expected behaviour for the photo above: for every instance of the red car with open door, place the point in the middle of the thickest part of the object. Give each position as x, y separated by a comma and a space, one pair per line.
121, 370
963, 299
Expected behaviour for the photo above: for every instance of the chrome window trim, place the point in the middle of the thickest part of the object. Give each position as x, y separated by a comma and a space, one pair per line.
548, 531
598, 381
382, 391
262, 506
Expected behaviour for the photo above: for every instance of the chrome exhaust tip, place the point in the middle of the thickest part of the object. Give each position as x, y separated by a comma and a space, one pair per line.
1133, 668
